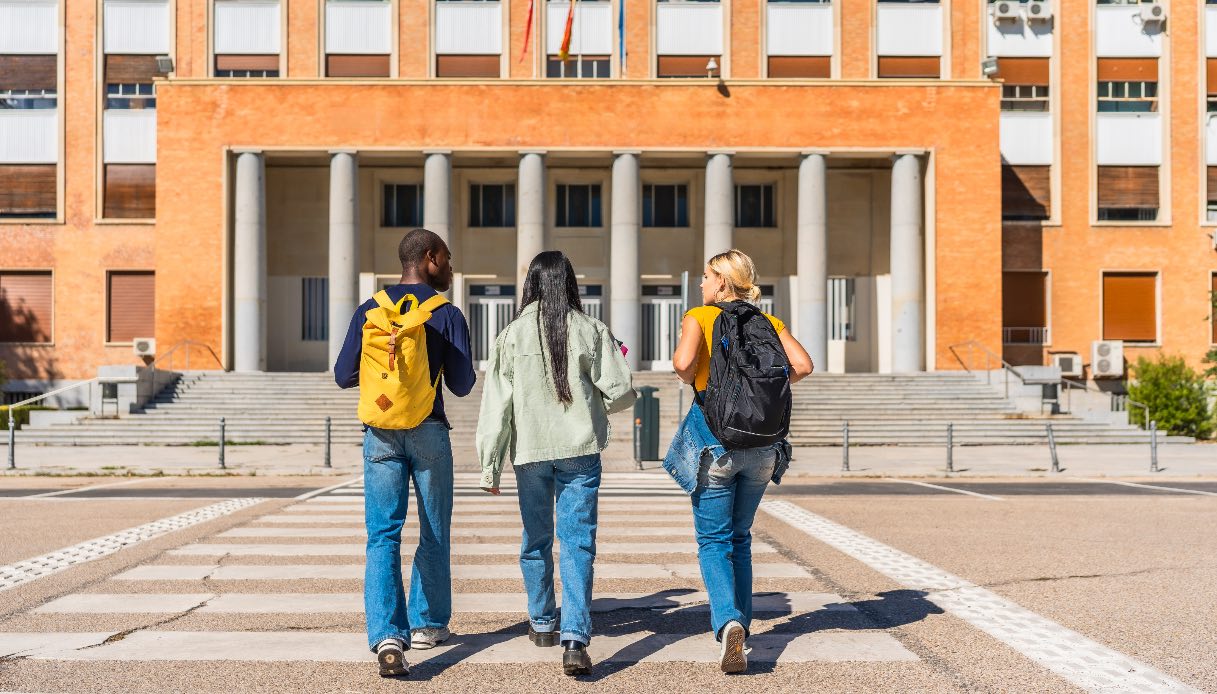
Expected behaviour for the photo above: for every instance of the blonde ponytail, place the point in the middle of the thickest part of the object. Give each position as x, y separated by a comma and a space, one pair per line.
738, 273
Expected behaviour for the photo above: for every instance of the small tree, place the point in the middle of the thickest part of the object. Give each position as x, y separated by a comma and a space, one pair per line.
1177, 396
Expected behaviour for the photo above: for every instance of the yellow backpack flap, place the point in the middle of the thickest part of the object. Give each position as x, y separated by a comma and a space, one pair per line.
395, 386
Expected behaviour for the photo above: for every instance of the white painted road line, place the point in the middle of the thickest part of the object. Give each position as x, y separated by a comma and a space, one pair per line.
353, 572
1082, 661
332, 487
293, 514
463, 531
1177, 490
458, 549
293, 646
65, 492
945, 489
352, 603
31, 569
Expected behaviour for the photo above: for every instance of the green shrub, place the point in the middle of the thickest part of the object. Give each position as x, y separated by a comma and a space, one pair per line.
1177, 396
21, 414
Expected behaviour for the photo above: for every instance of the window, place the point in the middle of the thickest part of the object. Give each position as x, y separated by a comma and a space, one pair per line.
754, 206
27, 99
1025, 83
1128, 193
1024, 308
403, 205
1127, 85
130, 96
799, 66
909, 67
358, 38
492, 205
454, 66
581, 66
28, 191
1212, 193
25, 306
665, 206
130, 192
130, 306
1211, 84
578, 206
1024, 97
247, 66
315, 309
1130, 306
356, 66
1026, 193
686, 65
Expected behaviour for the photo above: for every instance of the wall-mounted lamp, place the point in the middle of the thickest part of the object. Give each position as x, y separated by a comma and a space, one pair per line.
711, 66
988, 67
164, 64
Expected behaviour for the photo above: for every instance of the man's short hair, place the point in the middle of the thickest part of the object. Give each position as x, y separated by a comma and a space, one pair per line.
416, 244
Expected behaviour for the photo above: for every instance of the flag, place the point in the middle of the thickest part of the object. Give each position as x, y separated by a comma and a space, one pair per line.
527, 30
564, 50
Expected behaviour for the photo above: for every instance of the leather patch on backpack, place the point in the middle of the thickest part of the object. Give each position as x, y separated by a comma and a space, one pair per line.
384, 403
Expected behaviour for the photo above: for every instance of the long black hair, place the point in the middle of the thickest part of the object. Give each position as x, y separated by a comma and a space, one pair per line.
551, 282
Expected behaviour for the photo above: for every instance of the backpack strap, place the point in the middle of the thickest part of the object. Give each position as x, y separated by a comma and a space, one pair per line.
382, 299
430, 305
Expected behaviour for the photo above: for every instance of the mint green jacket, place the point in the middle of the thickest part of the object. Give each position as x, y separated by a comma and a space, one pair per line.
521, 415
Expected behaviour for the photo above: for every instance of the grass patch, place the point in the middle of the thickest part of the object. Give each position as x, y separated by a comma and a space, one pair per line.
227, 442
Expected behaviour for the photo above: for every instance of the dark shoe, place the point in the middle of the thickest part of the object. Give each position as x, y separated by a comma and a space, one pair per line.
391, 659
544, 639
575, 660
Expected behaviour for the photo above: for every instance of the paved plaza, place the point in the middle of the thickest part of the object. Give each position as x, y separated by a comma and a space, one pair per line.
888, 583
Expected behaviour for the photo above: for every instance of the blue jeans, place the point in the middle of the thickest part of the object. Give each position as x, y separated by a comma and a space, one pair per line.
729, 490
575, 483
391, 458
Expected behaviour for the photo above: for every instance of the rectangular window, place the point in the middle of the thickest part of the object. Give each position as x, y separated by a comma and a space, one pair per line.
1211, 84
1026, 193
909, 67
1025, 83
25, 306
578, 206
403, 205
27, 99
456, 66
1212, 193
130, 69
686, 65
130, 95
492, 205
247, 66
665, 206
1024, 308
1024, 97
800, 66
578, 66
1128, 193
1130, 306
27, 190
1127, 85
130, 192
754, 206
130, 306
315, 309
356, 66
28, 72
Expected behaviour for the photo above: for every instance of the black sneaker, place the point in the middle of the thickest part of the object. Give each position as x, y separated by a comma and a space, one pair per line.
575, 660
391, 659
543, 639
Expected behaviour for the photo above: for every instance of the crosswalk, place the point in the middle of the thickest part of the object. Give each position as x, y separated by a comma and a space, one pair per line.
254, 593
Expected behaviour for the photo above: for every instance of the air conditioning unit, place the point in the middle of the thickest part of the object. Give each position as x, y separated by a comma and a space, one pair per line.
144, 346
1152, 12
1107, 359
1039, 11
1006, 10
1070, 364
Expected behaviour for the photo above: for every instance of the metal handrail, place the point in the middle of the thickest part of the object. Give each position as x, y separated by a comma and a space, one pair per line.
168, 355
57, 391
989, 357
1069, 385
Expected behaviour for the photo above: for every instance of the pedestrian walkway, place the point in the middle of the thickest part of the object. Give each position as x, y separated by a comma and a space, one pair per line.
287, 585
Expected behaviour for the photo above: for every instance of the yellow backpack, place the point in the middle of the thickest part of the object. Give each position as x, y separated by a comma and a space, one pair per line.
395, 386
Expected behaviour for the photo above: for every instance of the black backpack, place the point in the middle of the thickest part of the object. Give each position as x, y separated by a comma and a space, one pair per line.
747, 400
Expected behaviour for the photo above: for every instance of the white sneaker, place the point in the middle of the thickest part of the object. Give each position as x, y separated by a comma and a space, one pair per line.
429, 637
731, 648
390, 658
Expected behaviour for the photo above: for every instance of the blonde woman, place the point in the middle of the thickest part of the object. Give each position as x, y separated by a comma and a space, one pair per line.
725, 486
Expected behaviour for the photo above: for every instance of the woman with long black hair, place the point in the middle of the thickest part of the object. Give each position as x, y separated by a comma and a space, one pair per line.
554, 376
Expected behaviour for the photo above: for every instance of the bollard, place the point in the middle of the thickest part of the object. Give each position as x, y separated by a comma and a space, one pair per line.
12, 439
950, 447
845, 447
327, 442
638, 442
1153, 446
1056, 464
222, 467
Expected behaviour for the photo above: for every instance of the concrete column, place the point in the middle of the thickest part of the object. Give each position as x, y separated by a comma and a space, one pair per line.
437, 193
908, 282
812, 257
344, 246
625, 292
249, 264
530, 213
720, 205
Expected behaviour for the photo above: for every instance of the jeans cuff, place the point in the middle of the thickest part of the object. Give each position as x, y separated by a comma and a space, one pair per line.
584, 639
405, 641
543, 627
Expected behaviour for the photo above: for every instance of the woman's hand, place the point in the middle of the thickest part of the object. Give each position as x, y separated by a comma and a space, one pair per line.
491, 490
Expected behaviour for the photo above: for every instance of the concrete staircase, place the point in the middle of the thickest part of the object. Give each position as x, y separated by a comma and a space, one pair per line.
282, 408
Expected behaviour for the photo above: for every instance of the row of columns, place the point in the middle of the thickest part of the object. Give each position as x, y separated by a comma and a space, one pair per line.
907, 245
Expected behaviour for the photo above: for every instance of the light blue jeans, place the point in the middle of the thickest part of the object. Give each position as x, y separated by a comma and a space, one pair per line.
575, 484
728, 493
391, 459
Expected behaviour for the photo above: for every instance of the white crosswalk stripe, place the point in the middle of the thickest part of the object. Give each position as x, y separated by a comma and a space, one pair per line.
645, 540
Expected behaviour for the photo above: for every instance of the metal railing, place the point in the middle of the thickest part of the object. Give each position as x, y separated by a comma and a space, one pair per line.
990, 360
171, 353
1119, 403
1024, 336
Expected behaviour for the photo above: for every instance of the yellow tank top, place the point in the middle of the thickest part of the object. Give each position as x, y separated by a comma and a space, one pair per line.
705, 316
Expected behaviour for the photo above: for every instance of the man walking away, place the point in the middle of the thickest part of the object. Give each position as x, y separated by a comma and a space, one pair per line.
401, 344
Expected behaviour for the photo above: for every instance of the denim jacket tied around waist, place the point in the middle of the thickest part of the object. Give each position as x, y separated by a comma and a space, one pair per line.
694, 448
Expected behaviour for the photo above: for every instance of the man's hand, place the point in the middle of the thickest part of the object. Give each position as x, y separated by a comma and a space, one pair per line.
491, 490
